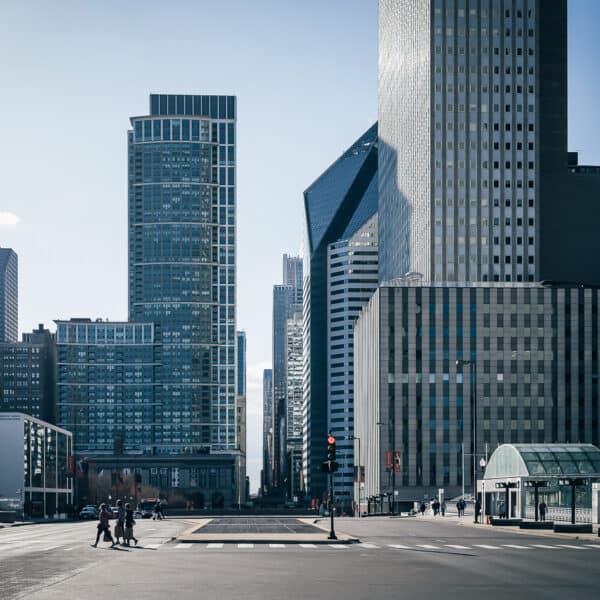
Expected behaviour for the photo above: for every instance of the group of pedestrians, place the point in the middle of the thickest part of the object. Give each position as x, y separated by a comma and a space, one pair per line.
437, 507
123, 526
159, 512
460, 507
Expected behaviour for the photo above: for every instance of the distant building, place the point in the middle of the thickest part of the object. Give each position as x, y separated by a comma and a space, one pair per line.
9, 296
240, 381
28, 375
267, 465
240, 418
352, 264
330, 203
34, 467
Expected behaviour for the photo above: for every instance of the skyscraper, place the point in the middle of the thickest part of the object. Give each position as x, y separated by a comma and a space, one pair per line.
287, 301
351, 280
9, 296
240, 416
330, 203
240, 386
182, 267
267, 469
473, 142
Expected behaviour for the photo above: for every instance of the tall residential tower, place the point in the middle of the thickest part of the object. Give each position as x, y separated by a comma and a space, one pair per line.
9, 296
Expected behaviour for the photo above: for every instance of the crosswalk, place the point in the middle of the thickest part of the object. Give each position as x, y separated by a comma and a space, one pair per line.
372, 546
26, 546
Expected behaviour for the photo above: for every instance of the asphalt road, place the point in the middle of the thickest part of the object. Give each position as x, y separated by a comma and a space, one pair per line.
398, 558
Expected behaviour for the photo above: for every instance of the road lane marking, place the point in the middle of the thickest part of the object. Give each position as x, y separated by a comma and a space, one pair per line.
308, 546
516, 547
570, 547
370, 546
71, 548
245, 545
214, 546
597, 546
338, 546
400, 546
487, 547
46, 549
428, 546
544, 546
276, 545
152, 546
183, 545
458, 547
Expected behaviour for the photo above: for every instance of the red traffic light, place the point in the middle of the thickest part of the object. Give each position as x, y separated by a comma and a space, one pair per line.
331, 440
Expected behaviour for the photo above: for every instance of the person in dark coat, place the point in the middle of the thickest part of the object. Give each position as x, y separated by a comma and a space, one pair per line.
543, 507
104, 527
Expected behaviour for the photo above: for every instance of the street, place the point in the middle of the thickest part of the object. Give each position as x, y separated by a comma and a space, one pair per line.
412, 558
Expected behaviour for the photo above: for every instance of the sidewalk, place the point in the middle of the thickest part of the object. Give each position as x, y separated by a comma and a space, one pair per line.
467, 521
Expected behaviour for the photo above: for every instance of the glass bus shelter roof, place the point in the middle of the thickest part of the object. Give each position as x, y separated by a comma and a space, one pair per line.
527, 460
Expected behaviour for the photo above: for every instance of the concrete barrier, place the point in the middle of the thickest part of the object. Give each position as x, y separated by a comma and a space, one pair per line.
537, 525
506, 522
570, 528
8, 516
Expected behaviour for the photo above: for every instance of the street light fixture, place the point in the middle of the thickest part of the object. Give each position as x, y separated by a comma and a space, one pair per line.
473, 371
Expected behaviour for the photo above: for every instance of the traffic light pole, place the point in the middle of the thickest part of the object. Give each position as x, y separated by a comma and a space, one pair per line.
332, 535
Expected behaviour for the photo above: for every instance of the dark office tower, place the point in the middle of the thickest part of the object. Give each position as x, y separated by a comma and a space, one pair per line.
330, 204
475, 182
28, 375
182, 265
240, 382
9, 296
283, 309
267, 430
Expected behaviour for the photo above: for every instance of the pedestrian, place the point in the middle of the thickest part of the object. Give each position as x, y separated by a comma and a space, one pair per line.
422, 508
129, 523
120, 524
543, 507
103, 527
162, 510
436, 507
477, 510
462, 507
156, 515
443, 508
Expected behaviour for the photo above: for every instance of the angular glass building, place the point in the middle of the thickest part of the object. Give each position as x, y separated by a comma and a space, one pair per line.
330, 204
182, 264
9, 296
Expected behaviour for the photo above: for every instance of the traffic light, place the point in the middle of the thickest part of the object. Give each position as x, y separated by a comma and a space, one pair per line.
331, 448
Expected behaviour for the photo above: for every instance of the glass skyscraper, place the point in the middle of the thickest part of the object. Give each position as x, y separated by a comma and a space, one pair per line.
335, 203
9, 295
182, 264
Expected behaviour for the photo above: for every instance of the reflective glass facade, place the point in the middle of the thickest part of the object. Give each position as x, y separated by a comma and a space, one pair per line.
331, 203
106, 386
182, 266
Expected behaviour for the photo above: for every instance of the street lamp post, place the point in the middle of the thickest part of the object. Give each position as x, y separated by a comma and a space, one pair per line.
473, 381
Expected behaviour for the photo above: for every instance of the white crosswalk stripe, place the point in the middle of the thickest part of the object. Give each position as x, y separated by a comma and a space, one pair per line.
369, 546
458, 547
276, 545
152, 546
487, 547
399, 546
428, 546
516, 547
571, 547
245, 545
597, 546
183, 546
338, 546
544, 546
308, 546
214, 546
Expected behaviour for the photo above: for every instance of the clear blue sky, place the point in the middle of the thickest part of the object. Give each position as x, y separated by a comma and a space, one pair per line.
305, 74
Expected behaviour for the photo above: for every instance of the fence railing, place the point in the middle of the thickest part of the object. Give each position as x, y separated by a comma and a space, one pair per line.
562, 514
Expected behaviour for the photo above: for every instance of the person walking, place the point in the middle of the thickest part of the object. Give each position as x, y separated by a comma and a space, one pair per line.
477, 510
156, 515
103, 527
443, 508
129, 523
543, 506
120, 524
162, 510
422, 509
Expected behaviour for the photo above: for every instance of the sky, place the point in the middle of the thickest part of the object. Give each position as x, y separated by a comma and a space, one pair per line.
305, 74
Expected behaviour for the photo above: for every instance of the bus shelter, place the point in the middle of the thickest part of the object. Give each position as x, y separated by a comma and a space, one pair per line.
521, 478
